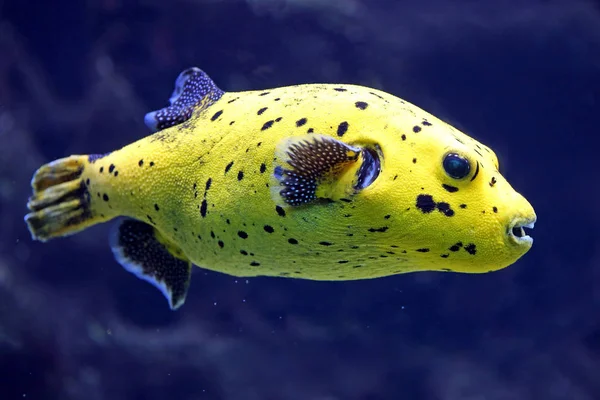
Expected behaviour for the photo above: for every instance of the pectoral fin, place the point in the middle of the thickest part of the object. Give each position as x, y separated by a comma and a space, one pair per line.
320, 167
142, 250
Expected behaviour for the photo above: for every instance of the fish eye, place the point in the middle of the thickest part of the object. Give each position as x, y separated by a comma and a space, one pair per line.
456, 166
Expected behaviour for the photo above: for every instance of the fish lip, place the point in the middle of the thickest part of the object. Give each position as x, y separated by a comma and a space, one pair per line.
521, 222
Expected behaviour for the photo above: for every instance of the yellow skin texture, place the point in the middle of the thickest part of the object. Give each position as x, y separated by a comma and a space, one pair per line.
178, 161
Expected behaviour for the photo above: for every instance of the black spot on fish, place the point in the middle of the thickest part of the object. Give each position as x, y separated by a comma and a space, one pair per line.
426, 123
243, 234
116, 173
221, 244
416, 129
495, 209
387, 216
463, 206
150, 219
456, 247
105, 197
141, 163
382, 229
361, 105
217, 115
343, 262
414, 160
208, 183
342, 128
325, 243
203, 208
101, 169
87, 181
262, 110
471, 248
280, 211
292, 241
264, 93
212, 234
445, 209
263, 168
152, 163
403, 137
156, 207
240, 175
254, 264
340, 89
449, 188
228, 167
268, 228
231, 123
445, 255
493, 181
425, 203
243, 252
424, 250
267, 125
301, 122
310, 130
111, 168
278, 119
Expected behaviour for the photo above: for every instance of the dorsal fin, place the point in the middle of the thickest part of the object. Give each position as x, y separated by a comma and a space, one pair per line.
194, 90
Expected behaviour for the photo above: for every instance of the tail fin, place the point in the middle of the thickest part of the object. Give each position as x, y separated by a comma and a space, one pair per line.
60, 204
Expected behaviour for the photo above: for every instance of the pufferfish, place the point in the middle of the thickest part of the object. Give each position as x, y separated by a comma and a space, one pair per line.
316, 181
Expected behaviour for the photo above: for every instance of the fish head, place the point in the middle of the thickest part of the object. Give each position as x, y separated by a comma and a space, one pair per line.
453, 204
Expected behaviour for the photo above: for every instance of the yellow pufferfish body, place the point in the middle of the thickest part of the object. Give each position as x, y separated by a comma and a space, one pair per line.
316, 181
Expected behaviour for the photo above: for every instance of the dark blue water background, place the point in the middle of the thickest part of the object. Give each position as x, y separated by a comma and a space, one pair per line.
522, 77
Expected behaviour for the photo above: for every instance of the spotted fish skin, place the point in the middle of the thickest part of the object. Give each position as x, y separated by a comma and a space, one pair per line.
316, 181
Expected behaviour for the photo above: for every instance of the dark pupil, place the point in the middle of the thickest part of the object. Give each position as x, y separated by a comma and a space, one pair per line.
456, 166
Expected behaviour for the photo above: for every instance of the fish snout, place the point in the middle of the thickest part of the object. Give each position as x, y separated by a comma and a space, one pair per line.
520, 222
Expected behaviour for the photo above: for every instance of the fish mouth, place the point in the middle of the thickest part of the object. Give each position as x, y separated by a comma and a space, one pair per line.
517, 232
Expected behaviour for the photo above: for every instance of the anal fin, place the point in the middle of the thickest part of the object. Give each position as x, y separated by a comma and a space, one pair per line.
141, 250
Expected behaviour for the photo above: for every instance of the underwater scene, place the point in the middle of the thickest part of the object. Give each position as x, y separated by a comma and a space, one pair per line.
299, 200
